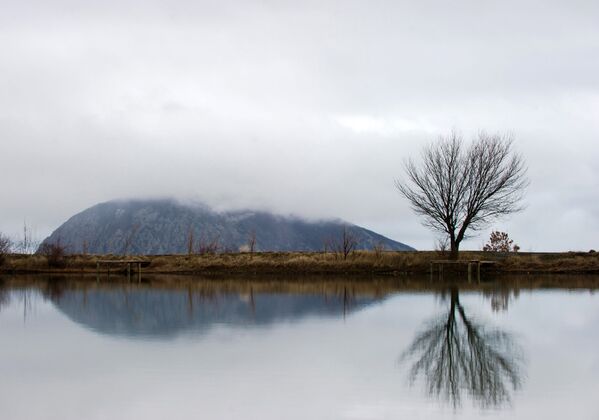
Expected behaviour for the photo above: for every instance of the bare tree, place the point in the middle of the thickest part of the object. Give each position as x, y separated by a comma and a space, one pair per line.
29, 244
190, 241
252, 241
346, 244
26, 243
129, 239
458, 188
442, 245
5, 247
378, 249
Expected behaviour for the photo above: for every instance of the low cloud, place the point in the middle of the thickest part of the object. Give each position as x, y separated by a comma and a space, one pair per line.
306, 110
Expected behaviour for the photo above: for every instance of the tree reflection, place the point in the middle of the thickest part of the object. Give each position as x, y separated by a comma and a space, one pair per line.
501, 298
4, 295
454, 354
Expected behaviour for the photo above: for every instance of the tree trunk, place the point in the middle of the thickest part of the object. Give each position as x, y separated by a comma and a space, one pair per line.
454, 249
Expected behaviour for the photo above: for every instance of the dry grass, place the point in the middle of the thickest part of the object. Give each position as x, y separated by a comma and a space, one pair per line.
360, 262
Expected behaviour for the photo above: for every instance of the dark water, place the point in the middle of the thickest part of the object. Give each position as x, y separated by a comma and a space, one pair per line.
391, 349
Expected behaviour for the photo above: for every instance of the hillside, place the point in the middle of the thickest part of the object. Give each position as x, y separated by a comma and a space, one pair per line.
153, 227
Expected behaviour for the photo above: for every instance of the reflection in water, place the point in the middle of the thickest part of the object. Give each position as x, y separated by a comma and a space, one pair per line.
454, 354
297, 359
4, 295
25, 296
161, 313
500, 298
169, 308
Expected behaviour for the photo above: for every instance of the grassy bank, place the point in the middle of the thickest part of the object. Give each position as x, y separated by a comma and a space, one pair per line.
362, 262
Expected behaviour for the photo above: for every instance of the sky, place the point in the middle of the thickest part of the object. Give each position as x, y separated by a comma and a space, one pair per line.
308, 108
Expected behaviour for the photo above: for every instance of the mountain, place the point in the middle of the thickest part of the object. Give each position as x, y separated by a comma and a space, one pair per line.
166, 226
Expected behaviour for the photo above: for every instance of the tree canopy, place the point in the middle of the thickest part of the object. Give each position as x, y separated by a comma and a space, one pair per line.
459, 188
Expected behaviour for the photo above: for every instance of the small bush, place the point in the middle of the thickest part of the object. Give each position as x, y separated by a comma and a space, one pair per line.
500, 242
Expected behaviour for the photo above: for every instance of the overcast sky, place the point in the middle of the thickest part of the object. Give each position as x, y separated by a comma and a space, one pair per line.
301, 107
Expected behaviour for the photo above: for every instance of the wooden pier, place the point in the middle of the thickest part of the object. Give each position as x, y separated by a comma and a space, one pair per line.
473, 265
108, 263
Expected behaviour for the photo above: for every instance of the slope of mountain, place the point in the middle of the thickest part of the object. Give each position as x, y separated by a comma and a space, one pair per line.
166, 227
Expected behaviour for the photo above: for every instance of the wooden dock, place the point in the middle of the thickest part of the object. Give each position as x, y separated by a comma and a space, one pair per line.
108, 263
473, 265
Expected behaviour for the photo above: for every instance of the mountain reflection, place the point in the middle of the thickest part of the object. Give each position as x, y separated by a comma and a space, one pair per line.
454, 355
162, 313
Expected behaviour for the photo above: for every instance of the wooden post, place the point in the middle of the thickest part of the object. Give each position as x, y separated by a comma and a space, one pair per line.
97, 272
129, 272
139, 272
432, 268
469, 272
478, 276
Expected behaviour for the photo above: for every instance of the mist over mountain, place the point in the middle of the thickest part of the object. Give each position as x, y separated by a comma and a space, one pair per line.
166, 226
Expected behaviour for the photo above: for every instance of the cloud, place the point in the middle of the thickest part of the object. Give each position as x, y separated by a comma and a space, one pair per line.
383, 126
305, 109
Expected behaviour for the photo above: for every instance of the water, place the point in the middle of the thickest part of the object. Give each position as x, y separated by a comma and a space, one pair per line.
277, 349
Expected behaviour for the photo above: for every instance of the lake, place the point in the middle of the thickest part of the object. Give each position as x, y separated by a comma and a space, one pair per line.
188, 348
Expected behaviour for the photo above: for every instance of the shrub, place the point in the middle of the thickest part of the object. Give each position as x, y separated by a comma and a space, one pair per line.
54, 253
442, 246
500, 242
378, 249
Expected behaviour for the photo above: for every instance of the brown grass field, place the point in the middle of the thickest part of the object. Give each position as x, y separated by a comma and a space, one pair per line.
388, 263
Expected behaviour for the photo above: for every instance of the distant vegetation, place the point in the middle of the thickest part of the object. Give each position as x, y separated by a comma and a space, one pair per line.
327, 263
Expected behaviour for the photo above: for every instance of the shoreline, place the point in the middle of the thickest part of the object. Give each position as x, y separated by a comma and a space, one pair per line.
372, 263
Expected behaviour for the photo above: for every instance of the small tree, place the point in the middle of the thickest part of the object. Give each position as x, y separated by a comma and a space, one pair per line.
346, 244
129, 239
5, 247
250, 245
500, 242
442, 245
190, 241
378, 249
459, 189
252, 241
29, 243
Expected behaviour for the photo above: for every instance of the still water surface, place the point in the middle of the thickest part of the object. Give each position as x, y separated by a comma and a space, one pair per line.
290, 350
